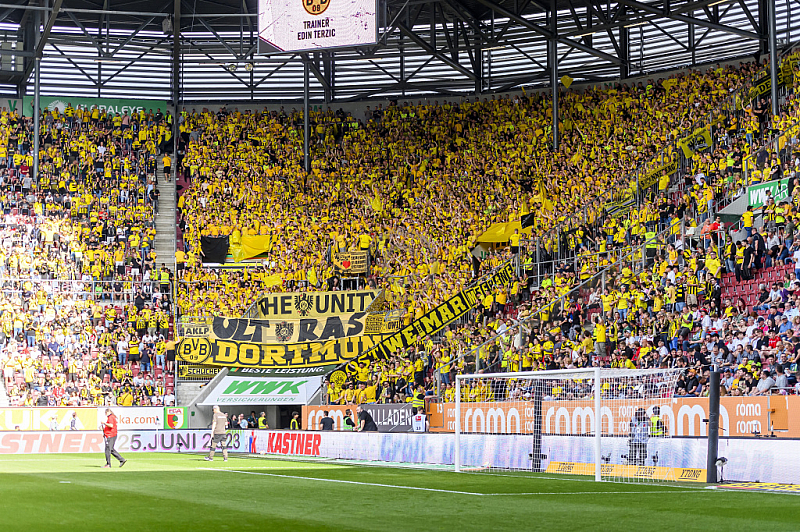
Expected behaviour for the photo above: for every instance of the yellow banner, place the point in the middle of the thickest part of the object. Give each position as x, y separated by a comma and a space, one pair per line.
700, 139
652, 177
681, 474
294, 305
295, 331
501, 232
443, 315
254, 355
350, 261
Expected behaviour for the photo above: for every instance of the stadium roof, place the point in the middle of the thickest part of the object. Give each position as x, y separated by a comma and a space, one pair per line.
447, 47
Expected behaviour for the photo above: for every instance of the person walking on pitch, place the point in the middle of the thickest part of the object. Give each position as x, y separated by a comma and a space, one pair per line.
219, 436
110, 437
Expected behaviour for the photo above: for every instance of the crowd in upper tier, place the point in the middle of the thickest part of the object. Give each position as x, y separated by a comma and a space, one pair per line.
416, 183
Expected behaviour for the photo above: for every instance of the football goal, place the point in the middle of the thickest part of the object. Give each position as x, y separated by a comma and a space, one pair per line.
611, 424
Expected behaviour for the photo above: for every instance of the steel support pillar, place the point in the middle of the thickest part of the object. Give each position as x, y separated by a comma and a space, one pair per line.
306, 118
552, 48
773, 56
37, 86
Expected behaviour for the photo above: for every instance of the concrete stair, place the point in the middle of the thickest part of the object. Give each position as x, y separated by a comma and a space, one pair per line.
166, 220
186, 392
3, 395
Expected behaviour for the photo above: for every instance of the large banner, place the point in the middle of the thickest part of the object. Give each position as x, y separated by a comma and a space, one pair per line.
296, 305
739, 416
351, 261
440, 317
294, 331
253, 355
263, 391
389, 418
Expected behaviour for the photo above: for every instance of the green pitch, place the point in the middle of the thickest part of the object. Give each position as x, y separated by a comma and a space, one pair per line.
183, 492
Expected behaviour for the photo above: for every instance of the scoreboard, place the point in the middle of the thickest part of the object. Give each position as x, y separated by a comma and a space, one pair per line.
311, 25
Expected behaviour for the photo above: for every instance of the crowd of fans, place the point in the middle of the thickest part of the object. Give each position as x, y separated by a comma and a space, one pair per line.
85, 317
416, 185
669, 314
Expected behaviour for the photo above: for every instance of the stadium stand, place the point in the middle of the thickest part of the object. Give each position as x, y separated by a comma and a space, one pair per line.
418, 184
85, 318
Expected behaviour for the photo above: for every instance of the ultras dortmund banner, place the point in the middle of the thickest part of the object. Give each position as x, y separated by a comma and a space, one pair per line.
296, 305
294, 331
255, 355
443, 315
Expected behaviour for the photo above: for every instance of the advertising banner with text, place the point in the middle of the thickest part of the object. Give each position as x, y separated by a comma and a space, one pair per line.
389, 418
117, 106
235, 390
41, 418
179, 441
739, 416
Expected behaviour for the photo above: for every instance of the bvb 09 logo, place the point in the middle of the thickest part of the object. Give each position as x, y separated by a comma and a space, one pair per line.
316, 7
195, 350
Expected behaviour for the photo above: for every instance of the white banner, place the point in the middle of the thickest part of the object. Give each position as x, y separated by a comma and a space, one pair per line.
135, 417
177, 441
238, 390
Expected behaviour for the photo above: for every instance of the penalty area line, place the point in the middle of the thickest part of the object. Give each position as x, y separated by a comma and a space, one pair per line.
337, 481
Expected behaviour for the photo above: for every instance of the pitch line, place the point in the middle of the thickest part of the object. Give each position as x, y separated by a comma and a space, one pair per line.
337, 481
416, 488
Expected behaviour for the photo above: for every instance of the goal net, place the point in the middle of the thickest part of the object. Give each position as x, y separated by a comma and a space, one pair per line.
547, 421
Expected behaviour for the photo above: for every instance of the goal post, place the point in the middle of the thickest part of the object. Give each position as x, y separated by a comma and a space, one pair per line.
606, 424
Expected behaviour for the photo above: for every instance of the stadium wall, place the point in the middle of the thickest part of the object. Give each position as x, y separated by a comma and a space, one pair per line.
761, 459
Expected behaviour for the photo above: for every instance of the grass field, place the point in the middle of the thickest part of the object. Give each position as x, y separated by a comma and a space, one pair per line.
183, 492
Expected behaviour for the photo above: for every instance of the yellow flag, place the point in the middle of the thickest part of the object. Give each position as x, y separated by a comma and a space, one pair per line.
566, 81
376, 204
273, 280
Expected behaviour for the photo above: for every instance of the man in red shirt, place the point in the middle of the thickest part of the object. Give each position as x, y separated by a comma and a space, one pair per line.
110, 436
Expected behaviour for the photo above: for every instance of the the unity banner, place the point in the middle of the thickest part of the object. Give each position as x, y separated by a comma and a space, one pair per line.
256, 355
441, 316
277, 331
296, 305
